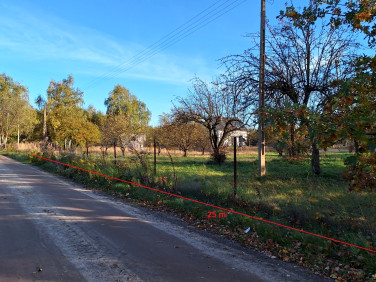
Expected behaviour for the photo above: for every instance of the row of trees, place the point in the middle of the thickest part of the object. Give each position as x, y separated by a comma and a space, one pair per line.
60, 119
306, 60
319, 88
17, 117
173, 133
319, 91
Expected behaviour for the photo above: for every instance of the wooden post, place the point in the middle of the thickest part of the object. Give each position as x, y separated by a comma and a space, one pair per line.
261, 129
155, 157
235, 172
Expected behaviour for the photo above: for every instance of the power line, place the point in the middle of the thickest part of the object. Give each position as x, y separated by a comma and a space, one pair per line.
164, 46
168, 40
181, 37
195, 23
114, 69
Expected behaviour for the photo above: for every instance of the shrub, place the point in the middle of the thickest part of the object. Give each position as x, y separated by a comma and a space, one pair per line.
361, 172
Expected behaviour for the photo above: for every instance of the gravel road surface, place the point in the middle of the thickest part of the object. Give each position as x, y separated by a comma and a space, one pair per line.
54, 230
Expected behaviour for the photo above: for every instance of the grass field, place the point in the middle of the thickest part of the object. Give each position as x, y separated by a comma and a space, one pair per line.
289, 194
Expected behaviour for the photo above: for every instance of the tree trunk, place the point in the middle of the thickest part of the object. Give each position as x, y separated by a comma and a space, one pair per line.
356, 147
122, 150
292, 139
5, 140
87, 150
45, 121
185, 152
218, 156
315, 161
203, 151
279, 149
18, 135
114, 152
5, 134
2, 144
103, 151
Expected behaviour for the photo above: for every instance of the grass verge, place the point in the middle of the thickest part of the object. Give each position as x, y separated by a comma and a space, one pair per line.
289, 195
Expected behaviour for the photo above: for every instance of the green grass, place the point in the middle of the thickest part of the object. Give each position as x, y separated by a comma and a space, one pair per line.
289, 194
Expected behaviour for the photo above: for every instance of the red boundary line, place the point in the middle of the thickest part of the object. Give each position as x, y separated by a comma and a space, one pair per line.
213, 206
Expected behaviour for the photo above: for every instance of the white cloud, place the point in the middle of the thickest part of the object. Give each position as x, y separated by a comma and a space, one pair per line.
53, 39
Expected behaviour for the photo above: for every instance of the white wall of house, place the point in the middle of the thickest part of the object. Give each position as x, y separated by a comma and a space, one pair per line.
229, 141
138, 141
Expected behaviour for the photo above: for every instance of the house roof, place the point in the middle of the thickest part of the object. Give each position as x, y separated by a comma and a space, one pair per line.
238, 124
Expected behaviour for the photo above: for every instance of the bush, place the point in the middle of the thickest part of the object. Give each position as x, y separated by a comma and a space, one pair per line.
361, 172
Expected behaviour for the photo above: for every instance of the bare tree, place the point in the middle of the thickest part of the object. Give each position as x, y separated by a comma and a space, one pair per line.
302, 62
42, 103
220, 108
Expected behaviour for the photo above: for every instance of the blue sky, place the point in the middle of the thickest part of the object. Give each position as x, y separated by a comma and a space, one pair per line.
44, 40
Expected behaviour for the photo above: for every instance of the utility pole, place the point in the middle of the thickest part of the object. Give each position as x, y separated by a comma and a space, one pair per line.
261, 128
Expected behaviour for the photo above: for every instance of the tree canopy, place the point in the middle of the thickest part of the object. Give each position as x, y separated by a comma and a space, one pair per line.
126, 116
14, 107
304, 58
64, 111
219, 108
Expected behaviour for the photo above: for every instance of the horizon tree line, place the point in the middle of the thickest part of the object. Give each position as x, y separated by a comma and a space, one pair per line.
319, 91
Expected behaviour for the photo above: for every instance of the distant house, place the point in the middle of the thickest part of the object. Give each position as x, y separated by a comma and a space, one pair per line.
135, 141
241, 134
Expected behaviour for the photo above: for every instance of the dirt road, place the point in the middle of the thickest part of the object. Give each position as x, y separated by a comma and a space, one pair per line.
53, 230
